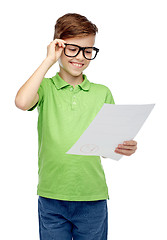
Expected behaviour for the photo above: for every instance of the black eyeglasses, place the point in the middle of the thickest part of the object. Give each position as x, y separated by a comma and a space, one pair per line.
72, 50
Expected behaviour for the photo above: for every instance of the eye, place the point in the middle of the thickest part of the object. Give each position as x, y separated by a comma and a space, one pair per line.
88, 51
72, 49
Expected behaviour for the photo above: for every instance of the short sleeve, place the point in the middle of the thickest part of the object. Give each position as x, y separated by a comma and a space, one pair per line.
109, 98
40, 91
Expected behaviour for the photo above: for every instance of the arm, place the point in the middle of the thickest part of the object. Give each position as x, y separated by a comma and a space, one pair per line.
27, 95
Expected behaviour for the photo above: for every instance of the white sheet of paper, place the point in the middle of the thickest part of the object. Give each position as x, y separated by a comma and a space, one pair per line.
112, 125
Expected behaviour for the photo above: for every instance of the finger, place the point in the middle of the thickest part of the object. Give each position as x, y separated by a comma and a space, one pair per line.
58, 45
63, 41
124, 152
130, 147
131, 142
59, 41
61, 45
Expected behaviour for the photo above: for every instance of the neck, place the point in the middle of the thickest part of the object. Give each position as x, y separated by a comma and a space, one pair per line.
72, 80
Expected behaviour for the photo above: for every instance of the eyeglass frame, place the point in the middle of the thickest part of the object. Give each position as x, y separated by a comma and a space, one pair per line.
83, 49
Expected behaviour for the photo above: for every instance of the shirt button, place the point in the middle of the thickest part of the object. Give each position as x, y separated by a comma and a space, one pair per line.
71, 89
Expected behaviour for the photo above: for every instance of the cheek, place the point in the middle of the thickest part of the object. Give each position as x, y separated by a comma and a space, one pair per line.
86, 64
63, 60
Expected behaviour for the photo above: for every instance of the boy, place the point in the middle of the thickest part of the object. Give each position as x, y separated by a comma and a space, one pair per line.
72, 189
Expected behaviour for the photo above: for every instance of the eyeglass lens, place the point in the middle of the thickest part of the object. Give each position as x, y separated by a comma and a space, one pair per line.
72, 51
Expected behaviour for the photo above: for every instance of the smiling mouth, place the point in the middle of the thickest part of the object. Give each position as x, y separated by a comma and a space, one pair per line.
78, 65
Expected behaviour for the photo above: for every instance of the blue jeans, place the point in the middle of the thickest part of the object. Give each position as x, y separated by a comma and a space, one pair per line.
77, 220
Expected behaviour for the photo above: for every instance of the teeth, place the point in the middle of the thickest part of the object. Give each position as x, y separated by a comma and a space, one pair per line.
77, 64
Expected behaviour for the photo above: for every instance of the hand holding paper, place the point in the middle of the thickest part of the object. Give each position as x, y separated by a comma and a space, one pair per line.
127, 148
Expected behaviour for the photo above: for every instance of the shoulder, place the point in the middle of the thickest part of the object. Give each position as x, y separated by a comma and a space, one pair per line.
99, 86
46, 82
103, 90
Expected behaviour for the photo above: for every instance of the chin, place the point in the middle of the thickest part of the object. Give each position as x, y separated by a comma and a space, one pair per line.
74, 73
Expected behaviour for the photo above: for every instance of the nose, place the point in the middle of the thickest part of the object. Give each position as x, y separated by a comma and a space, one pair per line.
80, 55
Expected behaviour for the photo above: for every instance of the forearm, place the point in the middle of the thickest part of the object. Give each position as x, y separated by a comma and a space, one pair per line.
28, 91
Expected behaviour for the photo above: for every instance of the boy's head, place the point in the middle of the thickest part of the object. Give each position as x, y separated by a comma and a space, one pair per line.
75, 29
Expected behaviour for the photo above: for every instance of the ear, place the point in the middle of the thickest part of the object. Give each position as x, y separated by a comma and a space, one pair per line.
59, 61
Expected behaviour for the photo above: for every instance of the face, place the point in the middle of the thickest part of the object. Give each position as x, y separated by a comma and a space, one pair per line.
75, 65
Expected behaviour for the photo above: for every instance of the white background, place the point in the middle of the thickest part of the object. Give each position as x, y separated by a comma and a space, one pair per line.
132, 62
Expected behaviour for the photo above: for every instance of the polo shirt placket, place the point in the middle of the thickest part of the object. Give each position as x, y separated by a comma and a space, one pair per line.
74, 92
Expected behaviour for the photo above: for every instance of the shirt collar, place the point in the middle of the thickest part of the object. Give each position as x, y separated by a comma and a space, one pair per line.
60, 83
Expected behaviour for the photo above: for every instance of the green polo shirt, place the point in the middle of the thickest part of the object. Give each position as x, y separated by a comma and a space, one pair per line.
64, 113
